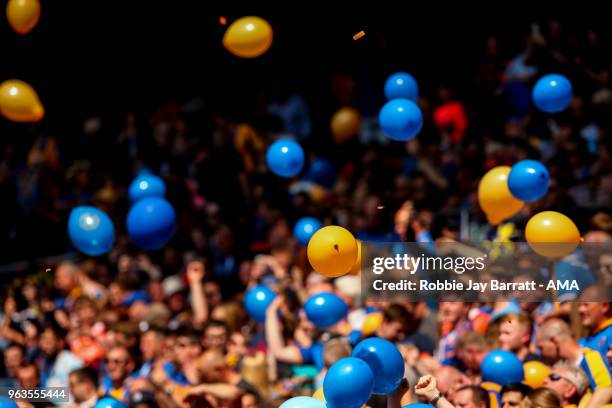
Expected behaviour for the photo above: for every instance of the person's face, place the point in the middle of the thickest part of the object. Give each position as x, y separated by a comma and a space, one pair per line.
118, 364
237, 344
86, 314
558, 381
512, 335
389, 330
13, 358
64, 281
452, 312
115, 294
548, 349
248, 401
27, 377
593, 313
150, 345
511, 399
215, 337
186, 349
177, 302
471, 356
213, 293
49, 343
463, 399
82, 390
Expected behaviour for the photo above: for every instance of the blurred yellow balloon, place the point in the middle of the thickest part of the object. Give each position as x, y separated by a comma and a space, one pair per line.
23, 15
371, 323
345, 124
248, 37
318, 394
357, 267
494, 196
535, 373
552, 234
332, 251
19, 102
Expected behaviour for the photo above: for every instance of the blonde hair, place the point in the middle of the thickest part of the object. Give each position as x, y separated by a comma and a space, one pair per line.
542, 398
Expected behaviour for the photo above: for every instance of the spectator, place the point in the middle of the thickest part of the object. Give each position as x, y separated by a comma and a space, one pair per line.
515, 335
84, 387
513, 394
570, 382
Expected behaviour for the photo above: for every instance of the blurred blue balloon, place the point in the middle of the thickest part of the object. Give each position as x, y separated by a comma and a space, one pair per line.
91, 230
325, 309
108, 402
151, 223
385, 361
401, 119
502, 367
322, 172
304, 229
528, 180
257, 300
401, 85
6, 402
348, 383
146, 185
303, 402
285, 158
552, 93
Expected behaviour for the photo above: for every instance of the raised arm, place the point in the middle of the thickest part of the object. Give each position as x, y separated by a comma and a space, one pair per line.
199, 304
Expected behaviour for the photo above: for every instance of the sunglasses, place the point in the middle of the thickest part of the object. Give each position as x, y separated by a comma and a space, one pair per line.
556, 377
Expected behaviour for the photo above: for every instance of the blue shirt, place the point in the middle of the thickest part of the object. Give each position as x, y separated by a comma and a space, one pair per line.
600, 340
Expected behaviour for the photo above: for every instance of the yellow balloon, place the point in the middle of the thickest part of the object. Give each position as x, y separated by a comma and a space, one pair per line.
318, 394
332, 251
357, 267
552, 234
371, 323
494, 196
248, 37
535, 373
345, 124
23, 15
19, 102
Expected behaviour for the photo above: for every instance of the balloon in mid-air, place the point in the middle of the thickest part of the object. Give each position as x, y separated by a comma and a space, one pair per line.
151, 222
305, 228
552, 93
248, 37
401, 85
257, 300
146, 185
19, 102
345, 124
401, 119
91, 230
332, 251
528, 180
285, 157
552, 234
495, 197
23, 15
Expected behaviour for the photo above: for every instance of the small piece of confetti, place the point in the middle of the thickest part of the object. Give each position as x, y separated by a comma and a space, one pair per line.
222, 20
358, 35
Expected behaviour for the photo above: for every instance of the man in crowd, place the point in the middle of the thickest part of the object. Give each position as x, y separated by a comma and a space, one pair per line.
53, 361
512, 394
597, 319
569, 381
471, 396
556, 343
84, 387
119, 365
515, 336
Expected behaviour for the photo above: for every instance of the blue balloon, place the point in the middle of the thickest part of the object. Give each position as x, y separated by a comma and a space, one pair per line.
385, 361
108, 402
322, 172
285, 158
91, 230
305, 228
303, 402
257, 300
401, 119
6, 402
146, 185
552, 93
502, 367
325, 309
151, 223
401, 85
348, 383
528, 180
